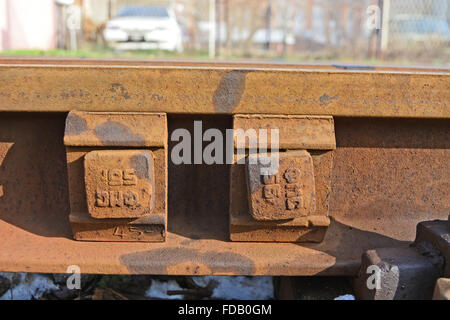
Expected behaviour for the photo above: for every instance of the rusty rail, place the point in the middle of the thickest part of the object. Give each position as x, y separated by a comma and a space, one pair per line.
223, 90
390, 167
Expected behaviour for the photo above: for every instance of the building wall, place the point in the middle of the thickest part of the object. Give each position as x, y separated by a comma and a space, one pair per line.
3, 24
98, 11
27, 24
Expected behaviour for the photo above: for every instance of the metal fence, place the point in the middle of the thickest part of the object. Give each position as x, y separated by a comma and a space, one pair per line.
412, 30
416, 28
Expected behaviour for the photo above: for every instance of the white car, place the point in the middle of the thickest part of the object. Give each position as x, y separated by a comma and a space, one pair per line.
156, 27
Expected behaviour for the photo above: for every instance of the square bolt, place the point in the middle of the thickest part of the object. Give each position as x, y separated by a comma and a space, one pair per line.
287, 193
119, 183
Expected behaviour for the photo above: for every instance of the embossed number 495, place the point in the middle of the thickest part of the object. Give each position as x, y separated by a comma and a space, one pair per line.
118, 177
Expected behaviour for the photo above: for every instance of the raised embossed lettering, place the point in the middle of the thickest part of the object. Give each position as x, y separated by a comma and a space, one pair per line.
102, 199
118, 177
116, 199
129, 177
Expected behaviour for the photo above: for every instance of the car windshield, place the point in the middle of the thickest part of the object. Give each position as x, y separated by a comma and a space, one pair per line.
153, 12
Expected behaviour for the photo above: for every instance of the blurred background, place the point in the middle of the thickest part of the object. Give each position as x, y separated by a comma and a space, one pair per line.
354, 31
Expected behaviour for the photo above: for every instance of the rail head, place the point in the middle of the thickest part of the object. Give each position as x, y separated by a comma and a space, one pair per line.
201, 88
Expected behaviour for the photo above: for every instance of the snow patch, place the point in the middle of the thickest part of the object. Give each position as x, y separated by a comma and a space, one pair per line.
31, 286
345, 297
239, 287
159, 289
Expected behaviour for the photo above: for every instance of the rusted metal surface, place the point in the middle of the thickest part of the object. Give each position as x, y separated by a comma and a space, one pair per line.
209, 63
436, 233
119, 183
224, 90
91, 129
295, 132
403, 274
388, 174
288, 194
407, 273
146, 229
442, 289
292, 204
80, 193
312, 228
384, 176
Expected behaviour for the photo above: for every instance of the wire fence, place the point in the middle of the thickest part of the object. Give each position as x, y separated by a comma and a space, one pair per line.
417, 28
316, 29
415, 31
